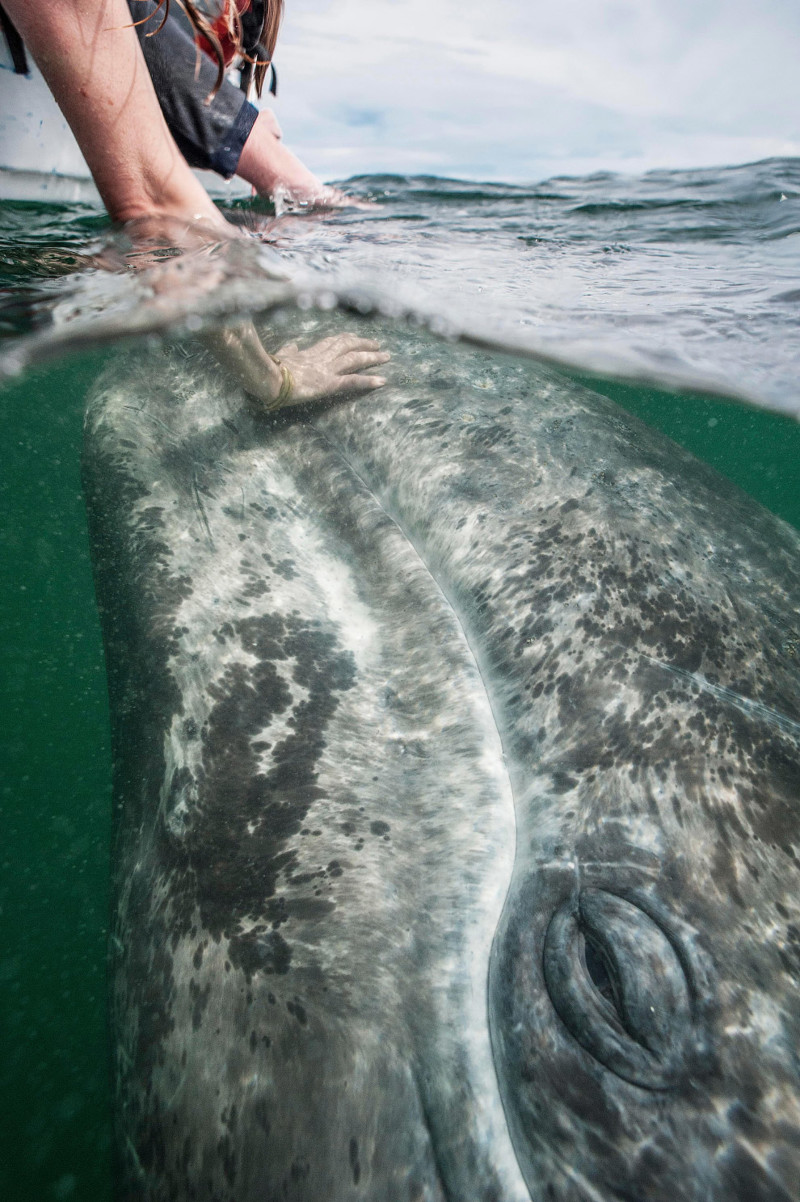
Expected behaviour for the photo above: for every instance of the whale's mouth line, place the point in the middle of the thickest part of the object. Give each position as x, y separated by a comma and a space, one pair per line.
502, 1158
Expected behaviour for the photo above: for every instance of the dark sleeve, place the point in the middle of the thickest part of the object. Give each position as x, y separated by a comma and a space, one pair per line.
208, 135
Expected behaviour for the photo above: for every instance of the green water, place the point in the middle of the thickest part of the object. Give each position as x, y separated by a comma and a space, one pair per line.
54, 1130
759, 451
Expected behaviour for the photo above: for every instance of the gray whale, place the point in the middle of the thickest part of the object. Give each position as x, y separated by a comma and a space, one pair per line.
456, 742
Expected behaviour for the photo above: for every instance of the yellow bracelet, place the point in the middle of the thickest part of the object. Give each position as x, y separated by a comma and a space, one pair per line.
286, 388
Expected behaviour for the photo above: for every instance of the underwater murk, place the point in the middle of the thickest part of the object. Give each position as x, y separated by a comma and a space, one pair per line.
674, 296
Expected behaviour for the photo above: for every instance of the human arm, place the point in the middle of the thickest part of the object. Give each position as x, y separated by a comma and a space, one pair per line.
273, 170
90, 57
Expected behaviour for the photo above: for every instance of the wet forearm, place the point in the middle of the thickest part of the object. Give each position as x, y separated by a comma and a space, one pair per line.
89, 54
269, 165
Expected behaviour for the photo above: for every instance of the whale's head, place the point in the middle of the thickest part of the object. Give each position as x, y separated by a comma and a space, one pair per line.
457, 787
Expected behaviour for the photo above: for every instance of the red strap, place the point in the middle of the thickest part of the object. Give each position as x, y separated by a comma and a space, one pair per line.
221, 28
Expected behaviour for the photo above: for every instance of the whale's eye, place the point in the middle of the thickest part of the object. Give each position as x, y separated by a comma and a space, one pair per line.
601, 973
617, 984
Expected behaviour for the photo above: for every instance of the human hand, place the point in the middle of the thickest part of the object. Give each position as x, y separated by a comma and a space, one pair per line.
324, 196
331, 367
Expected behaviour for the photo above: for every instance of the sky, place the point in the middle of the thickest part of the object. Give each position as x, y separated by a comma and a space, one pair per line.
522, 90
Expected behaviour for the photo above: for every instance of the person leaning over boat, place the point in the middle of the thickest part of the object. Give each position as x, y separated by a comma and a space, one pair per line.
213, 122
90, 57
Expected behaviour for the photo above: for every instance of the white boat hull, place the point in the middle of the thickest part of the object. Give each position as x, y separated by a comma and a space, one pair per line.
39, 157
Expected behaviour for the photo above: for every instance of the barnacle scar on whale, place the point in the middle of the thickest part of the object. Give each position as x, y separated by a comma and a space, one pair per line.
456, 762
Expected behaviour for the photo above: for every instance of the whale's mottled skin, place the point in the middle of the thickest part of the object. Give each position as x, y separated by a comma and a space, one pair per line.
457, 784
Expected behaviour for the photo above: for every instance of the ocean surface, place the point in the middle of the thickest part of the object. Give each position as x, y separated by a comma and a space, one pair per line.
677, 294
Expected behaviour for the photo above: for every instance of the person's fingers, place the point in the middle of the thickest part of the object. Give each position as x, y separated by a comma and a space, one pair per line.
358, 360
336, 344
347, 384
334, 198
326, 346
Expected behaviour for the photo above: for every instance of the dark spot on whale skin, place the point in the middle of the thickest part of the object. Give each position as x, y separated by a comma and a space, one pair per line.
379, 828
494, 436
151, 1150
334, 868
261, 1115
268, 511
200, 1001
563, 782
299, 1171
352, 1154
255, 588
747, 1122
286, 569
269, 953
297, 1011
227, 1155
303, 878
311, 909
790, 953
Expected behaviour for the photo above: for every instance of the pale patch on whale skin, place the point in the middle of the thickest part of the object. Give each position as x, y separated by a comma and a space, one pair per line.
470, 620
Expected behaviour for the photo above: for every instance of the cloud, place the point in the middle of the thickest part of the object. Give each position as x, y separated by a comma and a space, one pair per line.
527, 88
